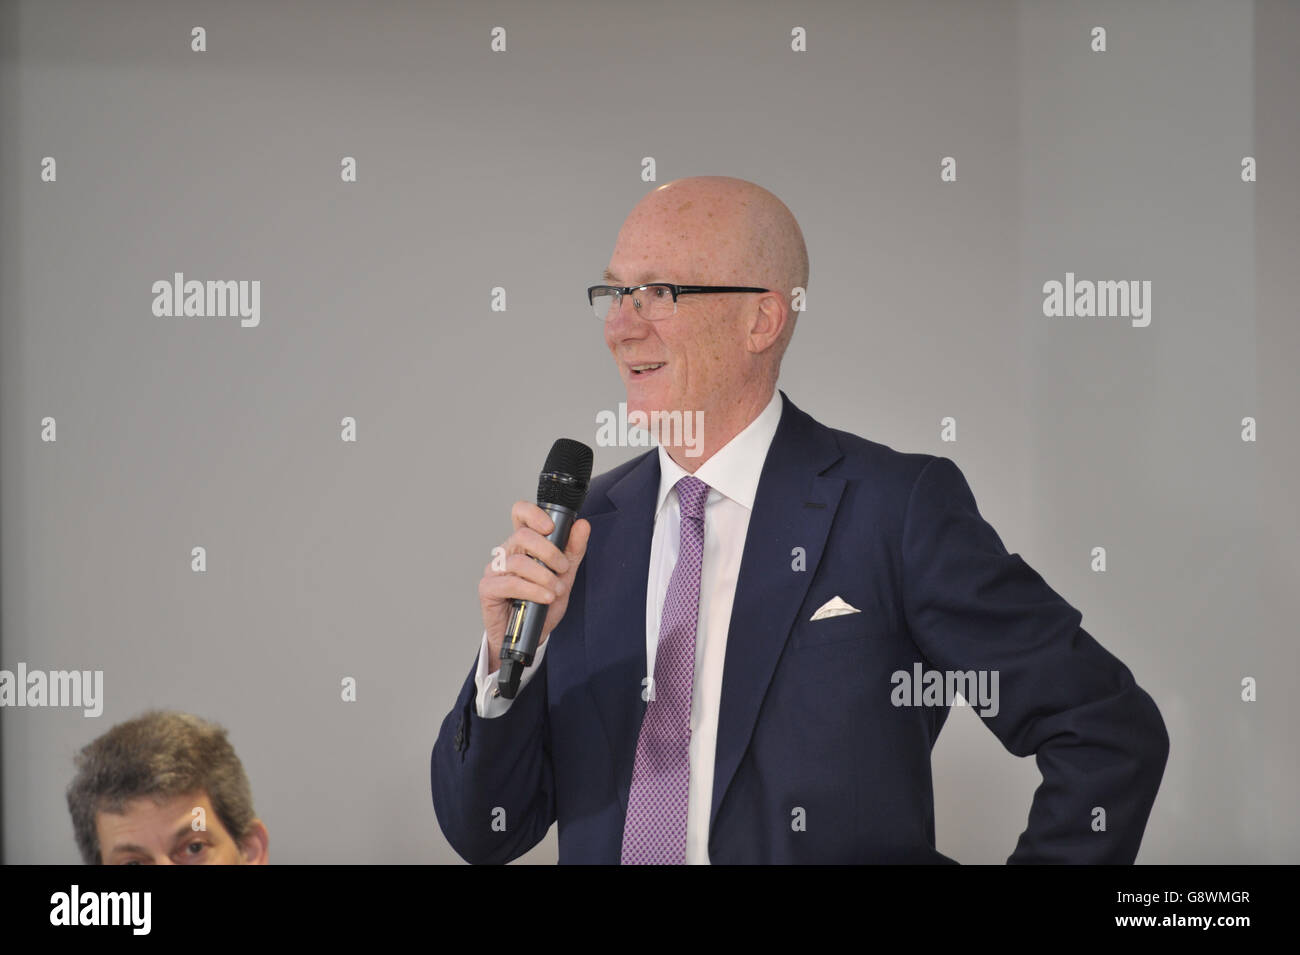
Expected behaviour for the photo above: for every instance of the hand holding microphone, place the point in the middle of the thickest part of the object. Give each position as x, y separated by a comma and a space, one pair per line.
523, 603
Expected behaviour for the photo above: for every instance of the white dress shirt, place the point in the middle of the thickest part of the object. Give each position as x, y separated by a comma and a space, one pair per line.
732, 476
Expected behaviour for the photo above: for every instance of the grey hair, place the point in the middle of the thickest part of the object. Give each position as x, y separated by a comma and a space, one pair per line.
159, 754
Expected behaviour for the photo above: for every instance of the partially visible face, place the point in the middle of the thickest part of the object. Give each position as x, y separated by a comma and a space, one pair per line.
163, 833
688, 238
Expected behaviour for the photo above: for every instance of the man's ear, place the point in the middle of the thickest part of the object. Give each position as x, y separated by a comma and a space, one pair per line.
253, 847
767, 323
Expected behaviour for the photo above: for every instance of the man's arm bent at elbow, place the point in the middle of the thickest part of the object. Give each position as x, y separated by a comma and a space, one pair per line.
492, 780
1100, 742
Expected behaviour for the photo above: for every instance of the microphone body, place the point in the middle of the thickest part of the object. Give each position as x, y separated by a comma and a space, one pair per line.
524, 628
561, 489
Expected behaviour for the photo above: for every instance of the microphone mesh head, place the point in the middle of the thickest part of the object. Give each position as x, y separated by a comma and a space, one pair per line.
565, 476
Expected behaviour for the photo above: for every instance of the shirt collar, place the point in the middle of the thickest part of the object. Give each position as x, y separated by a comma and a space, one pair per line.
736, 467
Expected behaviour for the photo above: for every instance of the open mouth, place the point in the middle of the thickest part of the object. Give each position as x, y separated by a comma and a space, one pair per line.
646, 369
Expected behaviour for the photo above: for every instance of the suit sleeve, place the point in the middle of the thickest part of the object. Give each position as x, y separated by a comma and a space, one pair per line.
492, 782
1098, 737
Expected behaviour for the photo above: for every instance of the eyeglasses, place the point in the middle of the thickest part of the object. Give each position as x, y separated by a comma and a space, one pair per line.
653, 302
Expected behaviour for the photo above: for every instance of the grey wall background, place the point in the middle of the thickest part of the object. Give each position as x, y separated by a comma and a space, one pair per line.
481, 169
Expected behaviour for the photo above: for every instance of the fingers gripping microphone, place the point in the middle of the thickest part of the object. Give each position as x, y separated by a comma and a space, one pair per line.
561, 490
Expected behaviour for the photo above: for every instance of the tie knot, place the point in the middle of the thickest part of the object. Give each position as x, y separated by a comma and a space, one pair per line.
691, 494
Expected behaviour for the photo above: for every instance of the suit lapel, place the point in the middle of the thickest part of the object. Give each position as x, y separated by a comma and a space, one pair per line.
769, 591
618, 566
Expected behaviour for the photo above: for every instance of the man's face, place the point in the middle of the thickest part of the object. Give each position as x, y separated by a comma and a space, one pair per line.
701, 347
163, 833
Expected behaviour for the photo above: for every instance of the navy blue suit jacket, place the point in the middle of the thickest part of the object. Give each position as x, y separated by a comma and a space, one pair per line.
807, 715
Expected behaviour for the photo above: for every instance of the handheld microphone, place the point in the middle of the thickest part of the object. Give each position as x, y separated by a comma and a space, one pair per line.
561, 489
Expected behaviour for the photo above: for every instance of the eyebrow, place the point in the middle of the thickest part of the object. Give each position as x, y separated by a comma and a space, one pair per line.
177, 836
184, 831
612, 279
126, 847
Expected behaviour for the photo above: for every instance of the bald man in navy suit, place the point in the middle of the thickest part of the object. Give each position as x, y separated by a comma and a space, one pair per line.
835, 591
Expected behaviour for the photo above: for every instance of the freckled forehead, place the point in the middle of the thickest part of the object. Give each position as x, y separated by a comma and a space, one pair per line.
692, 239
687, 214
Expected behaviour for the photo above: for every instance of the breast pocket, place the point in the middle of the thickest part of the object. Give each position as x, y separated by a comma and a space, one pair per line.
830, 631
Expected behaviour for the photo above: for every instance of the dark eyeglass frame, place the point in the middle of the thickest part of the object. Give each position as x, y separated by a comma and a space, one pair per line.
676, 290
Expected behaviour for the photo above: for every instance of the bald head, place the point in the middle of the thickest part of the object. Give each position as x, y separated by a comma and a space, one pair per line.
725, 231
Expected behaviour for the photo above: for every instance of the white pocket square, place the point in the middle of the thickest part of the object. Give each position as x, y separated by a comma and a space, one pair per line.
835, 607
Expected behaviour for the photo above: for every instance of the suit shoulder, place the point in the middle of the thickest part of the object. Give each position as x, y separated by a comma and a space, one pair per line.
896, 482
899, 479
601, 483
606, 479
884, 466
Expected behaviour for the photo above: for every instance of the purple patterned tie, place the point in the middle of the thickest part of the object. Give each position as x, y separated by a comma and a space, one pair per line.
654, 831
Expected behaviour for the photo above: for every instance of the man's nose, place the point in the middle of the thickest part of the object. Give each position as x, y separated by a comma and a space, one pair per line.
625, 318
